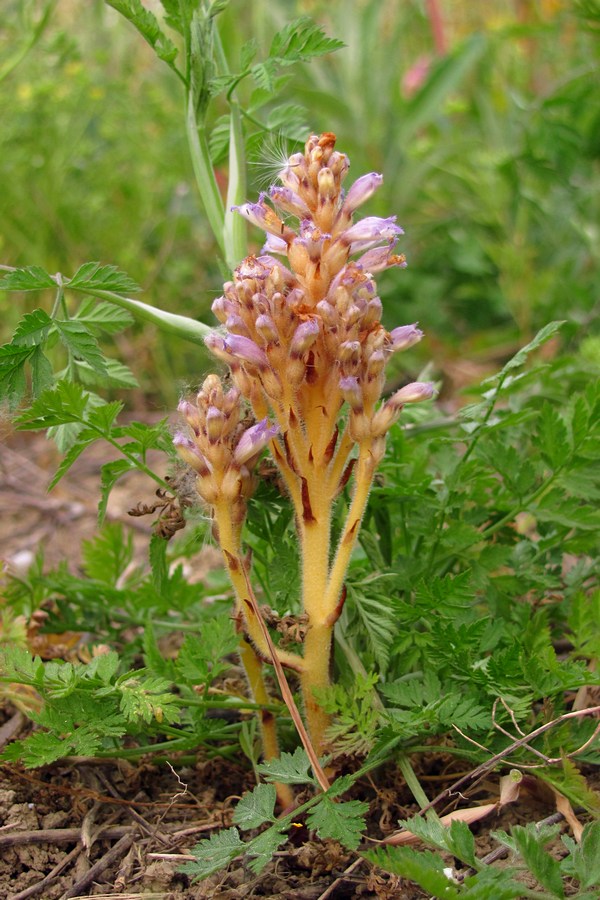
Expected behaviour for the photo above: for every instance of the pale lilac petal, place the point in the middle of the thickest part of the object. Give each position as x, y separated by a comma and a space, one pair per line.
405, 336
373, 229
261, 215
413, 393
274, 244
253, 440
351, 392
363, 188
289, 201
304, 337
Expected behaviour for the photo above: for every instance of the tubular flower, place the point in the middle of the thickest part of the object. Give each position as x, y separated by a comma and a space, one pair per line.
221, 448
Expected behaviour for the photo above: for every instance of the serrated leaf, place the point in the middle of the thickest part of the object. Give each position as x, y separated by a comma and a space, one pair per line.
158, 562
423, 867
147, 699
219, 140
65, 403
302, 39
377, 622
264, 74
29, 278
257, 807
12, 372
247, 53
32, 329
552, 437
343, 822
545, 868
263, 847
288, 768
215, 854
109, 475
81, 343
42, 377
520, 357
84, 439
98, 315
583, 861
147, 25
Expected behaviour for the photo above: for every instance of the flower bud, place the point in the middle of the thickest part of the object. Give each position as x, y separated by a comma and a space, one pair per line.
289, 201
363, 188
236, 325
379, 258
254, 440
274, 244
215, 424
262, 216
191, 455
236, 346
413, 393
304, 337
349, 352
351, 392
404, 337
371, 230
267, 329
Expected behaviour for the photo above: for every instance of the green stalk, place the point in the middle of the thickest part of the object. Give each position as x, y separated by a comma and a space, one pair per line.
169, 323
204, 173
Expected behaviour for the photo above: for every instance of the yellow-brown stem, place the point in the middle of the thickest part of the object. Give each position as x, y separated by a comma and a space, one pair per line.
268, 731
365, 470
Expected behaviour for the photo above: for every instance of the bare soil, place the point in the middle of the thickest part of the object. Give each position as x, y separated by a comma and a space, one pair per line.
91, 828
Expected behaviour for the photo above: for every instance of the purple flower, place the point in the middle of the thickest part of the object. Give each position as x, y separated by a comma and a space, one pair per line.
191, 455
370, 231
267, 329
351, 392
304, 337
405, 336
413, 393
253, 440
379, 258
237, 347
262, 216
363, 188
274, 244
289, 200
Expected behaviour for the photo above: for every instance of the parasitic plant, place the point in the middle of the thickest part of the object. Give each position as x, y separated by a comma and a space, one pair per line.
303, 339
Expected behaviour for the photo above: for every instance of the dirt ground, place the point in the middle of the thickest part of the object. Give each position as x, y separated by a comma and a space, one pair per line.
88, 828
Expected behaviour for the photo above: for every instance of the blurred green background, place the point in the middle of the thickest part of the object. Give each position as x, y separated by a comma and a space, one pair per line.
483, 118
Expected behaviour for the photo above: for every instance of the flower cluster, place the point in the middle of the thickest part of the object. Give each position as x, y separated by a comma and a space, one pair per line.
310, 334
222, 449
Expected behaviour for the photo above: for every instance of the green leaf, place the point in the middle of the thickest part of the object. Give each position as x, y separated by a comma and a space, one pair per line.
215, 854
110, 473
583, 862
42, 377
302, 39
147, 25
219, 139
65, 403
30, 278
84, 439
262, 848
12, 372
32, 329
158, 562
81, 343
256, 807
377, 621
545, 868
147, 698
552, 436
100, 316
289, 768
547, 332
423, 867
343, 822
